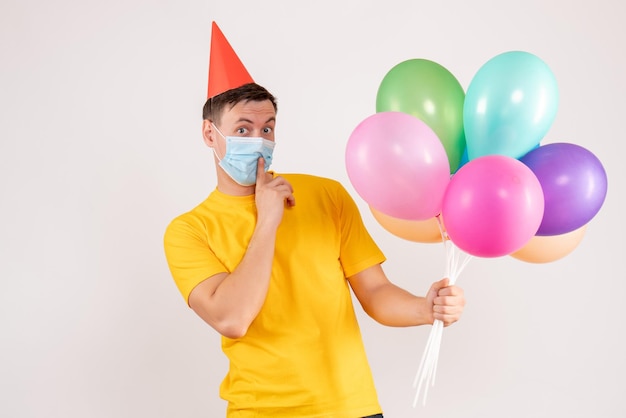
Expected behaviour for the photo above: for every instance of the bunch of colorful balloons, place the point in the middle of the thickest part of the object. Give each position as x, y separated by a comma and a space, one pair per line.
473, 161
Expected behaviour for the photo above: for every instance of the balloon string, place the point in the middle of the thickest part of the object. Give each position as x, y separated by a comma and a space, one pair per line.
456, 261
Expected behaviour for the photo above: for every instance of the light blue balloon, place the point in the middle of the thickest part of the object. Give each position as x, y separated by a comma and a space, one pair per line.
464, 159
509, 106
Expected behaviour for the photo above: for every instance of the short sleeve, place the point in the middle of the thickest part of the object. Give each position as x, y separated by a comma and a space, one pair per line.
358, 249
188, 255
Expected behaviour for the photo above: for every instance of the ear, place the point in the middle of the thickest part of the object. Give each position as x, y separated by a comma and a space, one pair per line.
208, 133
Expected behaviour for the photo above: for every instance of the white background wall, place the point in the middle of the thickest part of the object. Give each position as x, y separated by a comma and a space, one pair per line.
100, 148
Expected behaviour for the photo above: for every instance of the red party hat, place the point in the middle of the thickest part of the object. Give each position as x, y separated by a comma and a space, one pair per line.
225, 68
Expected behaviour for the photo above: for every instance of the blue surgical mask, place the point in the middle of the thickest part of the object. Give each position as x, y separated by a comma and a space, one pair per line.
242, 155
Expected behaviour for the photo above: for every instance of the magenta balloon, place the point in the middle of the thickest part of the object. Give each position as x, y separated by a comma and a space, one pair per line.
492, 206
398, 166
574, 185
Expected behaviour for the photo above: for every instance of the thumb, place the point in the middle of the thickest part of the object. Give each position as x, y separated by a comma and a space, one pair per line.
435, 288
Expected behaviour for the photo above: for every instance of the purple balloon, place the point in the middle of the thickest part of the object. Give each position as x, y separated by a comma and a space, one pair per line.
574, 185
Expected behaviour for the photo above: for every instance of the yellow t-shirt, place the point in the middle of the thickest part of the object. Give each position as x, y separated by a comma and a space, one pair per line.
303, 354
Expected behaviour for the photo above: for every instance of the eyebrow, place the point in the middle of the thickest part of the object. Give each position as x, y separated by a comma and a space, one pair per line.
271, 119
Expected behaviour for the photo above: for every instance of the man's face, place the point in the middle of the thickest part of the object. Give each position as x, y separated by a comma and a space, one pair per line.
252, 118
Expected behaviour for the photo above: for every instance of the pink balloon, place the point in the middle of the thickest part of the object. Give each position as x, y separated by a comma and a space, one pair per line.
398, 165
493, 206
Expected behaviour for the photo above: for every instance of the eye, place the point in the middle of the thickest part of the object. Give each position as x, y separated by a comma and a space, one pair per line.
267, 130
242, 131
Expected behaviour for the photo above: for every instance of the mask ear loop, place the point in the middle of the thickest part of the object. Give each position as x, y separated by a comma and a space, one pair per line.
218, 131
215, 152
219, 160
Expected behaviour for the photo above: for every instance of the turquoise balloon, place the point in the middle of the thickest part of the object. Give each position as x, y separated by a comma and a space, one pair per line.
464, 160
510, 104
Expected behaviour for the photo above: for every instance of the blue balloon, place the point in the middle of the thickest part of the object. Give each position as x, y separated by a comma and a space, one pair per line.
464, 159
509, 106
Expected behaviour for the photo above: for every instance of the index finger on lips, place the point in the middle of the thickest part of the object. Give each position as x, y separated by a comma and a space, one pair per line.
260, 171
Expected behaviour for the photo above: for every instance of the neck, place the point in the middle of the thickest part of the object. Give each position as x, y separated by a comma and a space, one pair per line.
228, 186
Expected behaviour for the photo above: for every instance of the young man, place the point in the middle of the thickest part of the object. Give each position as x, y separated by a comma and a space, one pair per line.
269, 261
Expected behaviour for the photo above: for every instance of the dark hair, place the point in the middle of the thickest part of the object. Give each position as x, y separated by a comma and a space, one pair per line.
214, 106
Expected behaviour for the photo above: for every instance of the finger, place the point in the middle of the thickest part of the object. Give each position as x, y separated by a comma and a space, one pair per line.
446, 291
450, 291
287, 189
279, 183
457, 300
447, 309
260, 172
446, 319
